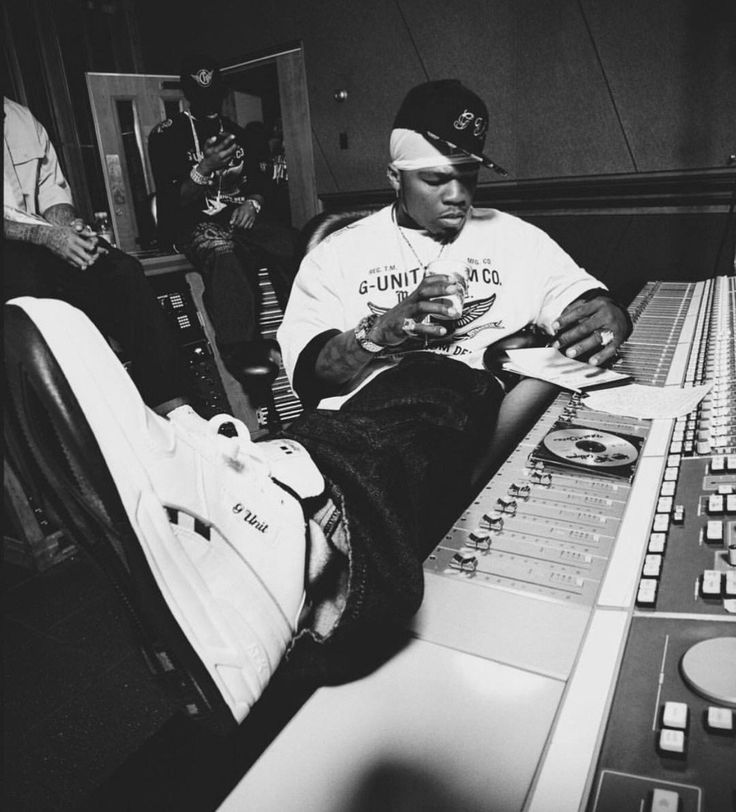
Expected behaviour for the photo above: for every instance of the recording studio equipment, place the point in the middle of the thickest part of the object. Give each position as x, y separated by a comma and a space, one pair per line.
284, 402
179, 291
576, 648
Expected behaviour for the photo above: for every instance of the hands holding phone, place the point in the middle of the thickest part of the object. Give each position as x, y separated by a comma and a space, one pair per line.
218, 151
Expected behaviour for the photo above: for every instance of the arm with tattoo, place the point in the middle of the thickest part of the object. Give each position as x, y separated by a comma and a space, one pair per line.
342, 359
67, 242
62, 214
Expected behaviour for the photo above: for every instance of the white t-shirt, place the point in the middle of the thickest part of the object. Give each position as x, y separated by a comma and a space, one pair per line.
518, 276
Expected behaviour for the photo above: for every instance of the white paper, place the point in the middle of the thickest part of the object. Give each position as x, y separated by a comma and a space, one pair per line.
650, 402
549, 364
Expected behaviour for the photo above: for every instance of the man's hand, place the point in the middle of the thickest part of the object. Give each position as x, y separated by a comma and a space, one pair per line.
584, 327
218, 151
73, 245
405, 320
244, 216
81, 227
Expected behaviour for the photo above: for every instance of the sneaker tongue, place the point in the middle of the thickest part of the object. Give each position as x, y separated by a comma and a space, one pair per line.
291, 465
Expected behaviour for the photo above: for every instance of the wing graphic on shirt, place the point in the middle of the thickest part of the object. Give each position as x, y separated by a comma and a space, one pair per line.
471, 311
379, 311
474, 310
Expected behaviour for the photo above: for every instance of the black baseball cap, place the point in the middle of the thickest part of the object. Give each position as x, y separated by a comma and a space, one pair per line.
450, 116
201, 78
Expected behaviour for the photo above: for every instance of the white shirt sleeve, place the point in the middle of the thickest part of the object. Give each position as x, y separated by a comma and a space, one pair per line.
314, 305
52, 188
564, 280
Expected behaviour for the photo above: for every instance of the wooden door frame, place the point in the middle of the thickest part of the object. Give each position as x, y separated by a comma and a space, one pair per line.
296, 122
122, 215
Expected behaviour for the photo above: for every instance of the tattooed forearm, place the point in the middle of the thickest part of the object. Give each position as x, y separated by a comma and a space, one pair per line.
341, 359
62, 214
24, 232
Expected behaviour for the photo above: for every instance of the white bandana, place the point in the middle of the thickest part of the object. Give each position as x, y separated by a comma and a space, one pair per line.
410, 150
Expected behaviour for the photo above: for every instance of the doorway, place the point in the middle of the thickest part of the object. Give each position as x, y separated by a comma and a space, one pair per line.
266, 91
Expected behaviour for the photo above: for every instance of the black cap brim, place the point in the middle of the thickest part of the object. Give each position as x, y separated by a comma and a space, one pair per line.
476, 156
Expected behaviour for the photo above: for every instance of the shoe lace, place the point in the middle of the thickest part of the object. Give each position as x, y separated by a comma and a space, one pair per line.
238, 449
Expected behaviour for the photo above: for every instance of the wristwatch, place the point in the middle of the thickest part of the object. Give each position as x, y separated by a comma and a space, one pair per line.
256, 205
365, 325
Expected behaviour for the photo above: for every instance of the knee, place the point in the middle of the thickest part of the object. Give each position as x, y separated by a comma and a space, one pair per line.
28, 270
121, 269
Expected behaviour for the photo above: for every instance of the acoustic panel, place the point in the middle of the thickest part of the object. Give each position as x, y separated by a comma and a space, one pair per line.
365, 49
626, 250
574, 87
476, 44
671, 67
565, 121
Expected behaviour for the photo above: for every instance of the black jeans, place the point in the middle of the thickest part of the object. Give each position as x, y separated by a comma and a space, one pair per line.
399, 457
229, 260
115, 294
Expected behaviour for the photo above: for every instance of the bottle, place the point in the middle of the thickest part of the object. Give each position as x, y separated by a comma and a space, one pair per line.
103, 228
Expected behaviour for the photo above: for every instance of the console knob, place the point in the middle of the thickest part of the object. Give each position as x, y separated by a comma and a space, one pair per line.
709, 668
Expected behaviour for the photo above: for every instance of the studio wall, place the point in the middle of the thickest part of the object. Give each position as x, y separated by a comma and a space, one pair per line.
575, 87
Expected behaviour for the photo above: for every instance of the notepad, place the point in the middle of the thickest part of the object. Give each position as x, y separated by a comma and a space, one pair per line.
549, 364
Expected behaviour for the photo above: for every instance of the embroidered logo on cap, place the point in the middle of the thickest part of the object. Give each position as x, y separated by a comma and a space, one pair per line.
203, 77
464, 120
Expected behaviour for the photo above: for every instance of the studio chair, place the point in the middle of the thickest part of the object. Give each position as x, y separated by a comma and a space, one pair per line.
282, 404
327, 222
44, 416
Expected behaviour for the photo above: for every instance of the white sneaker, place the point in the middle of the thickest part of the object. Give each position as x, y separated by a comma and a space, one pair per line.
284, 459
215, 562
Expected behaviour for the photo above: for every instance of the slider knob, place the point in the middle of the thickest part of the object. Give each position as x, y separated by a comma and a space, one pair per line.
507, 507
519, 491
494, 523
479, 541
541, 478
464, 563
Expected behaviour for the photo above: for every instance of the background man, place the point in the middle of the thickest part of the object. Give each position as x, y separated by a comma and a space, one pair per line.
49, 252
211, 203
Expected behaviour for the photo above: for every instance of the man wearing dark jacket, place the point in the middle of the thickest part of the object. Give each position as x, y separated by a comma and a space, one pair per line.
212, 195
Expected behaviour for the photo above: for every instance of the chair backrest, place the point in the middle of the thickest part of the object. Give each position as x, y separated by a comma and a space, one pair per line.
324, 224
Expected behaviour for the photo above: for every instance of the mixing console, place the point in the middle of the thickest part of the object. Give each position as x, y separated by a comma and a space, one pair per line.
581, 612
556, 532
285, 401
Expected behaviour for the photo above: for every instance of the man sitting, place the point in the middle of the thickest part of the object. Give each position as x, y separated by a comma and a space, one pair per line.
212, 204
50, 252
372, 335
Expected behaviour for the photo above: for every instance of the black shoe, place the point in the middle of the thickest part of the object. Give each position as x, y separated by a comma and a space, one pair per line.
252, 361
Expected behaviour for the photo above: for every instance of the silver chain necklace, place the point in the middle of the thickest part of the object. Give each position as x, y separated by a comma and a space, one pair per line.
422, 265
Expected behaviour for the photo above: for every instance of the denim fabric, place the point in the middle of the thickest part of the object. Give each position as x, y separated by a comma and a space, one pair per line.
116, 296
399, 455
229, 260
